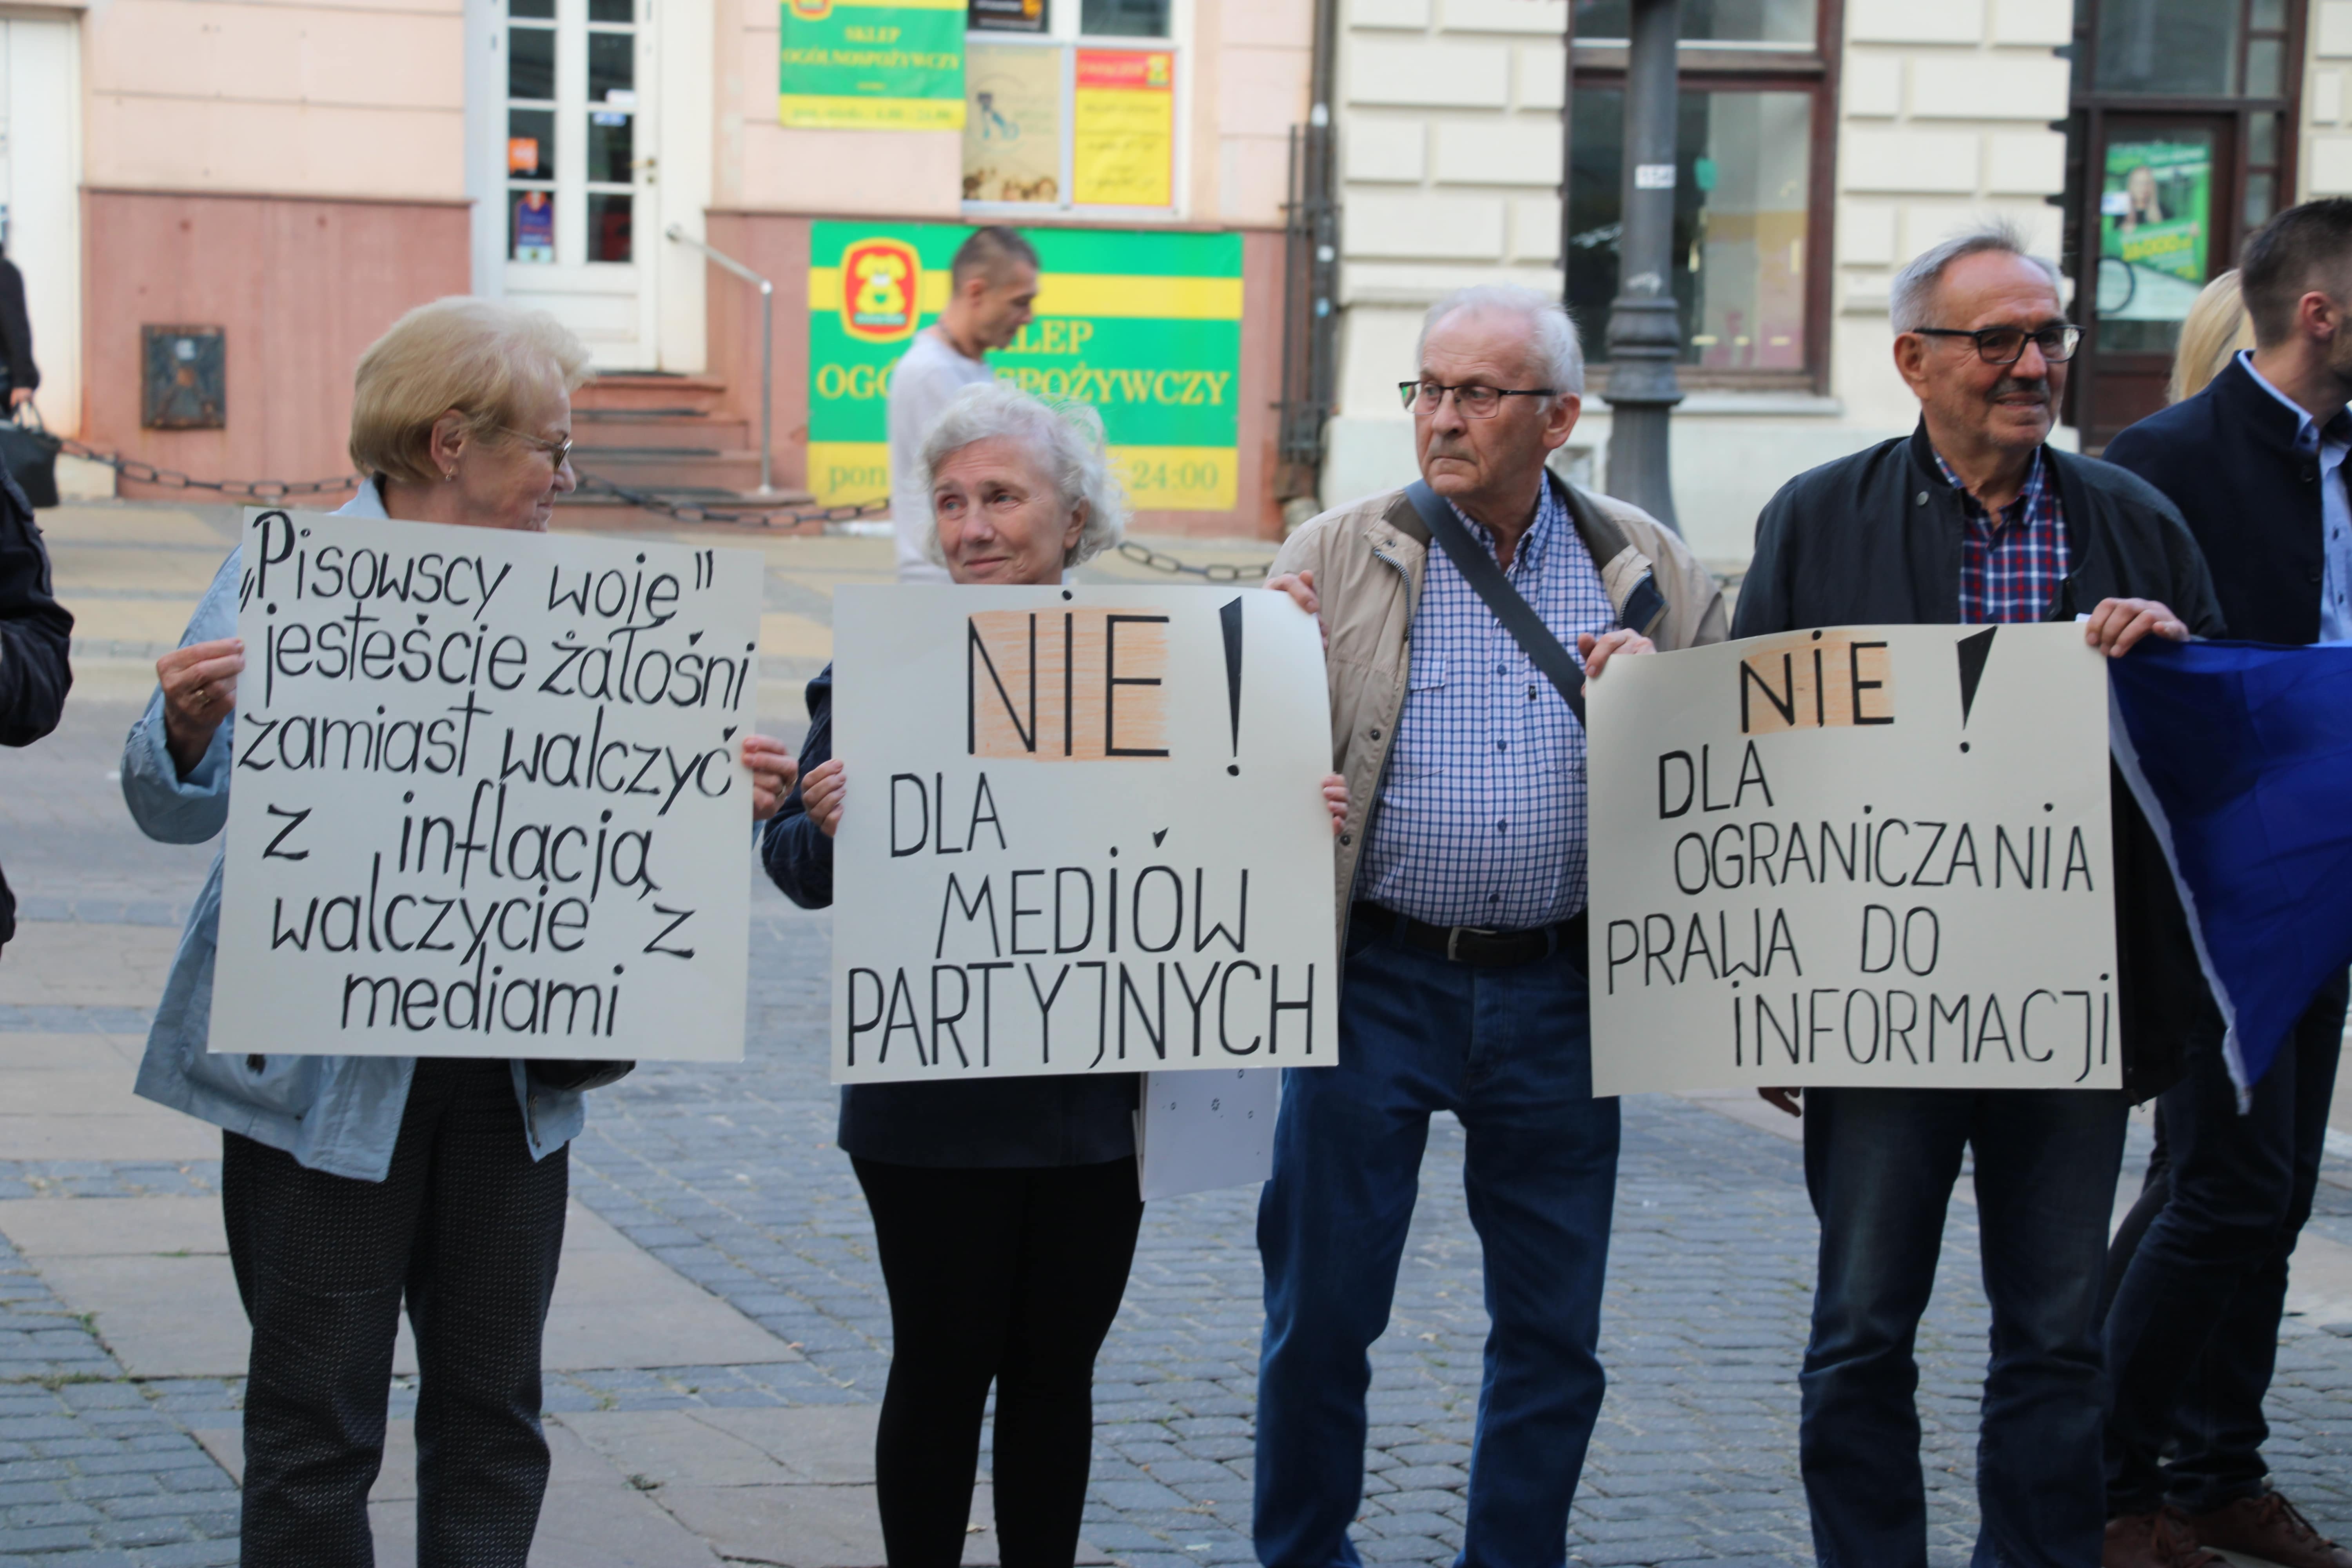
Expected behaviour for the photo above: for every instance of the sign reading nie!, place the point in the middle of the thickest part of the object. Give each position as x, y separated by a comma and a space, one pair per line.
1084, 835
1859, 856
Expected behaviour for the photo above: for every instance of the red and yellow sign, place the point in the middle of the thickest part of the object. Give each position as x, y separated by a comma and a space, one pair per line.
880, 283
1123, 129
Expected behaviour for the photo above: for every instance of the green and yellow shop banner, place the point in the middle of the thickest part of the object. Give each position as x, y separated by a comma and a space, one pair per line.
1145, 326
872, 64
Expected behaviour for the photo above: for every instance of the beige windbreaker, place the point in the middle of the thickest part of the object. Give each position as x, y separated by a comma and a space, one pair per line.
1367, 558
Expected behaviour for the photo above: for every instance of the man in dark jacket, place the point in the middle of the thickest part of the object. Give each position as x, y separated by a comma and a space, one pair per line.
36, 633
2255, 464
1973, 518
19, 374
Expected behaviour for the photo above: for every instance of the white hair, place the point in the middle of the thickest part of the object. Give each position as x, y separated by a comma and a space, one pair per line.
1911, 304
1554, 354
1064, 440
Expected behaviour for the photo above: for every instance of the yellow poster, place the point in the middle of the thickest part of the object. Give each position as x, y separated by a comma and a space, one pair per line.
1123, 131
1012, 123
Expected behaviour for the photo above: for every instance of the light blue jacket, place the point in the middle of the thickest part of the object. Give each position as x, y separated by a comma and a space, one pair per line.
337, 1114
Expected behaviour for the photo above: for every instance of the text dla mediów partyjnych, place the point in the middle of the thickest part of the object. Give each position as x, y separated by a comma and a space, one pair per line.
1059, 963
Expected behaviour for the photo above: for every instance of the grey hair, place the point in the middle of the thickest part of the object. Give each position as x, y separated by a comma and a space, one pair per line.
1554, 354
1911, 302
1064, 440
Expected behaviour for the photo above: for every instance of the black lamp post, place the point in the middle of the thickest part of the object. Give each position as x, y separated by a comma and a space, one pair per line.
1645, 324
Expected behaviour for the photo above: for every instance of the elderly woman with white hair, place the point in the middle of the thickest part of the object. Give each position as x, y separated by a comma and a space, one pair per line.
348, 1182
1005, 1210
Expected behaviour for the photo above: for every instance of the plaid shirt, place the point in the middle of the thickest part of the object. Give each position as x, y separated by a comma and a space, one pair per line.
2011, 569
1481, 819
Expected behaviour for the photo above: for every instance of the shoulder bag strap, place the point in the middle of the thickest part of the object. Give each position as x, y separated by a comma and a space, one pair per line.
1518, 617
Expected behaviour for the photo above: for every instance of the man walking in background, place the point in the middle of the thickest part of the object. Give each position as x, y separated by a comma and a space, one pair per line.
1974, 519
2255, 463
992, 283
1462, 889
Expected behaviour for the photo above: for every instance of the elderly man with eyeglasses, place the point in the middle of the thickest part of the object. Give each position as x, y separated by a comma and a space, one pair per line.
1974, 518
1461, 870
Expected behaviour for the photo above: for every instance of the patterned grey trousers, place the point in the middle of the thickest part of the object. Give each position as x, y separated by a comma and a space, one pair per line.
469, 1228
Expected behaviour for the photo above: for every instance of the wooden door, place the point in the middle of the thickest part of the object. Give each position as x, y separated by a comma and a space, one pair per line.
2160, 221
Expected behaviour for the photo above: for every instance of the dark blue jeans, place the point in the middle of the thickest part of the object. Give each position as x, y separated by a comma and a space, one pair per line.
1509, 1051
1880, 1165
2193, 1334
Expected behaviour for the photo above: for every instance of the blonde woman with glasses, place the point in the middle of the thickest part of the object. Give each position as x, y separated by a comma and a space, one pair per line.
351, 1182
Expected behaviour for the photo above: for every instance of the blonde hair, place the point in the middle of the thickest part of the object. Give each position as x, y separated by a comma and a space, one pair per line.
2215, 329
483, 358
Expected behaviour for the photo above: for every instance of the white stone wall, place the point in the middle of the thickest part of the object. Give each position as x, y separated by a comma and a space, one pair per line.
2325, 166
1448, 113
1450, 145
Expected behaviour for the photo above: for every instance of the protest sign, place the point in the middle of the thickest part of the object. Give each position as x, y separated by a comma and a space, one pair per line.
1083, 833
486, 795
1866, 856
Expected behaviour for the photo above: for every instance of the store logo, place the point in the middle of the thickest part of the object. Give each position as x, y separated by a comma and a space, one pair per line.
810, 10
878, 280
1156, 70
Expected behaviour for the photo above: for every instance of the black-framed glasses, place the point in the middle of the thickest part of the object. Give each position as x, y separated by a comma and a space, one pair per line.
2005, 345
558, 449
1477, 402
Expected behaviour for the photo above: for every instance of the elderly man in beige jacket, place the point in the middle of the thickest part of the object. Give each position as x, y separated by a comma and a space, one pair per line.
1462, 892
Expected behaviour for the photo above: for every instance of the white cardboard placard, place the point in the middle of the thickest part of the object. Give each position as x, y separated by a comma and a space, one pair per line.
1863, 856
487, 798
1083, 833
1197, 1132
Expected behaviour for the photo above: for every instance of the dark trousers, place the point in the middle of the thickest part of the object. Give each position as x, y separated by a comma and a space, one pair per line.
1509, 1052
1880, 1165
2193, 1331
1009, 1276
469, 1228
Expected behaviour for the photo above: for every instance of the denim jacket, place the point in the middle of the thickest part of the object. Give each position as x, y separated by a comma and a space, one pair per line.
337, 1114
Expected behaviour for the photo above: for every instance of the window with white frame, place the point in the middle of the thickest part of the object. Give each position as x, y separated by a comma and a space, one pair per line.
1072, 106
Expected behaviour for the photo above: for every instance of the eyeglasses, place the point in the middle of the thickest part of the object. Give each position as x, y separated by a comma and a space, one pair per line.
1477, 402
558, 450
2005, 345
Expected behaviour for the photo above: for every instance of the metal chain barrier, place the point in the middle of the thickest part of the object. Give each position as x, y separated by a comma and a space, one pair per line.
1143, 556
131, 469
144, 473
758, 516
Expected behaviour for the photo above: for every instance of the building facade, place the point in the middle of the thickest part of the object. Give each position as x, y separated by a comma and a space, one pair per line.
219, 205
1822, 143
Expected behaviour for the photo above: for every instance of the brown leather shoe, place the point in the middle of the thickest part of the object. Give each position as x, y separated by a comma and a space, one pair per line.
2158, 1540
2268, 1527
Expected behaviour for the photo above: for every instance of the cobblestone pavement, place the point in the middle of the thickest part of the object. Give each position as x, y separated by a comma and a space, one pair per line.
727, 1175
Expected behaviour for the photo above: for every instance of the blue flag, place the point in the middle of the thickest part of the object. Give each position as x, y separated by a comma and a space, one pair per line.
2240, 756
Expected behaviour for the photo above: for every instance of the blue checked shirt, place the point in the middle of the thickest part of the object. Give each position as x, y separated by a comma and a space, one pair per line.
1481, 819
2012, 565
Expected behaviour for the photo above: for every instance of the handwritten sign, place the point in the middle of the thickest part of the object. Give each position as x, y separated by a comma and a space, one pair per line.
1084, 834
486, 795
1863, 856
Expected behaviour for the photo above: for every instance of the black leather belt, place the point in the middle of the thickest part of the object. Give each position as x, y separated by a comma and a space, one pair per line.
1473, 945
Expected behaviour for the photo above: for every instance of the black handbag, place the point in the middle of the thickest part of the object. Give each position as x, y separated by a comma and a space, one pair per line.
577, 1075
29, 453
